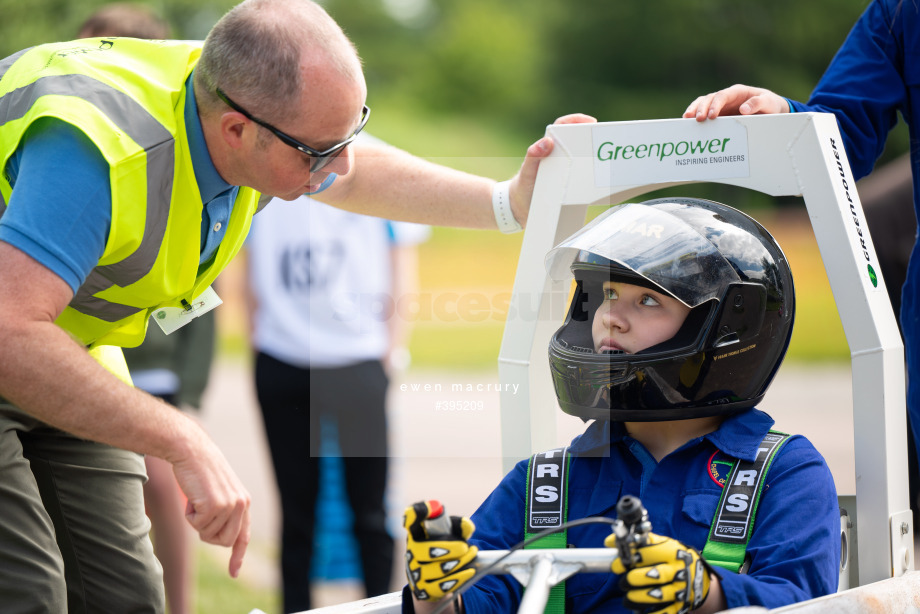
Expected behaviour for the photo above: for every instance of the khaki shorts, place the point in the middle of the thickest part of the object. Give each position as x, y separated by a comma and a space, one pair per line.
72, 523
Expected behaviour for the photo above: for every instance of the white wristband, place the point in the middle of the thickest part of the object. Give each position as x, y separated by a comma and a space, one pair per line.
501, 207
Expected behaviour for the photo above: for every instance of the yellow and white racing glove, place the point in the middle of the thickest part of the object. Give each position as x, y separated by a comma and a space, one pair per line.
666, 578
437, 553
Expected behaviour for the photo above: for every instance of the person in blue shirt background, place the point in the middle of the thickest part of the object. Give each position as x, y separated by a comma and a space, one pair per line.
874, 76
681, 316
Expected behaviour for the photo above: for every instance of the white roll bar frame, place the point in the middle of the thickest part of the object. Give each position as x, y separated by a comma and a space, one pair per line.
788, 155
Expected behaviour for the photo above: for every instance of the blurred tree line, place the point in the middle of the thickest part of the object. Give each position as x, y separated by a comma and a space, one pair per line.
627, 59
24, 24
528, 62
516, 65
520, 64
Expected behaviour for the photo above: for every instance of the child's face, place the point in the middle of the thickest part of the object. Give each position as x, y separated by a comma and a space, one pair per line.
633, 318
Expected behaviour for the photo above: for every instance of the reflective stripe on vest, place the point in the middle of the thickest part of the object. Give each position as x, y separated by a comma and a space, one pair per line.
149, 135
127, 97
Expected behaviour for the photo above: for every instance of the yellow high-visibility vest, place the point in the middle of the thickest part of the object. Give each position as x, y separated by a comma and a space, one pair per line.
128, 97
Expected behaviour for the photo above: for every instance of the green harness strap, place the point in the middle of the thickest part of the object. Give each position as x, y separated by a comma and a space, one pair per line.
547, 506
733, 522
547, 503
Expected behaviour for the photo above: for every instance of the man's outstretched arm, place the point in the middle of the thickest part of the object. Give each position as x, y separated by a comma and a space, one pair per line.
390, 183
44, 372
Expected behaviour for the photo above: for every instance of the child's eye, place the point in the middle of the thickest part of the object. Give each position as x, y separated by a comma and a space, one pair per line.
650, 301
610, 294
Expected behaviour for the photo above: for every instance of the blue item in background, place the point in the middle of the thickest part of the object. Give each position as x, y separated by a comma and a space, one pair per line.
335, 554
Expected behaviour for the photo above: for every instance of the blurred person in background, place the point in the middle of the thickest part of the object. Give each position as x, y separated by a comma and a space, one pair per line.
125, 19
327, 337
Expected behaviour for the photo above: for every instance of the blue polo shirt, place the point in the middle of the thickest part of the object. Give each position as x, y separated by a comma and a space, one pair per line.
795, 547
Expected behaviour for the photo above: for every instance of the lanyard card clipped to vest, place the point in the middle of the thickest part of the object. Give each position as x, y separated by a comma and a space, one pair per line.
171, 319
733, 522
547, 507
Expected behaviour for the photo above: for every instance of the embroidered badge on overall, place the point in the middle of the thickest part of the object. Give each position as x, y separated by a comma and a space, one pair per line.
719, 468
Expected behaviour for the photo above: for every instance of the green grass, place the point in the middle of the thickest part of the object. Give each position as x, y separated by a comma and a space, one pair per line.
465, 143
462, 346
817, 335
216, 591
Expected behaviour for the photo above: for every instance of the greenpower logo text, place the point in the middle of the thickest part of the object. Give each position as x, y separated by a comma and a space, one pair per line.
609, 151
854, 215
657, 151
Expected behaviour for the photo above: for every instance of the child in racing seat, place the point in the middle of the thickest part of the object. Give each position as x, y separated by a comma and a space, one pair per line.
681, 316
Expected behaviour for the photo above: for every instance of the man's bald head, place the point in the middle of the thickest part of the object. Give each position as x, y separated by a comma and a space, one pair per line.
262, 51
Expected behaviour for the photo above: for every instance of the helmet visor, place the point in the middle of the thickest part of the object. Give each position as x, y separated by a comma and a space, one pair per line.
651, 243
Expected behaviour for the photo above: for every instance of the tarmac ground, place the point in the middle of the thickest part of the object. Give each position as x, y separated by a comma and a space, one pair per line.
454, 454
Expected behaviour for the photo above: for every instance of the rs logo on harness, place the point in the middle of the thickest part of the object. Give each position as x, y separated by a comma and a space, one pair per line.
734, 518
547, 485
547, 500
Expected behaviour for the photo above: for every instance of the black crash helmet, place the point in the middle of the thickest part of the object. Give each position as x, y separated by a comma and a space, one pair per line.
716, 260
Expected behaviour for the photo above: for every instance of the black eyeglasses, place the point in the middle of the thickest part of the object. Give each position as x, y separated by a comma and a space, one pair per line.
320, 158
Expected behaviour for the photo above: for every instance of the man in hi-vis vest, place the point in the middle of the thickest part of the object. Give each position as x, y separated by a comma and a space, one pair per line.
131, 172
